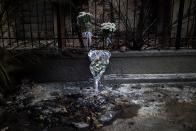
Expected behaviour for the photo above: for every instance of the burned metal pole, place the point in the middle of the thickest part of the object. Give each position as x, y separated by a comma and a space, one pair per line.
60, 26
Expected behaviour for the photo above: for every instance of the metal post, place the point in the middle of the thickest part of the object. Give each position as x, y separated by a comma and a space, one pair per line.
60, 26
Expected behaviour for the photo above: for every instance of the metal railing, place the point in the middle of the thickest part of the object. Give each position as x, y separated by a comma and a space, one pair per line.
144, 24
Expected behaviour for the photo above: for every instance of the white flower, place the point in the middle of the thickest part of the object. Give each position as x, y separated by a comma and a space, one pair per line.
84, 14
111, 27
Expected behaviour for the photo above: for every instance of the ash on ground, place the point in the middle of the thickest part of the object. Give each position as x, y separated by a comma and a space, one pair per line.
75, 106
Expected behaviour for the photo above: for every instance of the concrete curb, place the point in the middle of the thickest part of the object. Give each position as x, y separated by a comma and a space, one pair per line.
153, 53
150, 78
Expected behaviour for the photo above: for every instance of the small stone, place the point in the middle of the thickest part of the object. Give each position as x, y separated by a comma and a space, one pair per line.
151, 100
5, 129
123, 48
131, 123
159, 95
108, 116
81, 125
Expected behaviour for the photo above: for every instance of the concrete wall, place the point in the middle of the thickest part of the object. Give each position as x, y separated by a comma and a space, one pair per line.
76, 68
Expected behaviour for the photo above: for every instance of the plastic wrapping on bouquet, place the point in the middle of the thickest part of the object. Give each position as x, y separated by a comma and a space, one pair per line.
99, 61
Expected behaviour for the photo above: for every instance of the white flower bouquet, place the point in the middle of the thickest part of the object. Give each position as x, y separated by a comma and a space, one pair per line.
96, 67
108, 28
99, 60
84, 18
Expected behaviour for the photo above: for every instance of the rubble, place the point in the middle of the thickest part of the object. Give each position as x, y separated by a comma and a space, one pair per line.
51, 106
77, 107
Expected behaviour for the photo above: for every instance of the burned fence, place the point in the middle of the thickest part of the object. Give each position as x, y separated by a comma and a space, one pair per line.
141, 24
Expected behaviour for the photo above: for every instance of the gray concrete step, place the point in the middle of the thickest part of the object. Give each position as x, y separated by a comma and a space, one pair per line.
150, 78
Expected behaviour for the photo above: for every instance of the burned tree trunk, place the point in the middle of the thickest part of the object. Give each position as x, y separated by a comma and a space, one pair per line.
146, 22
194, 31
138, 43
70, 9
164, 20
179, 27
60, 26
